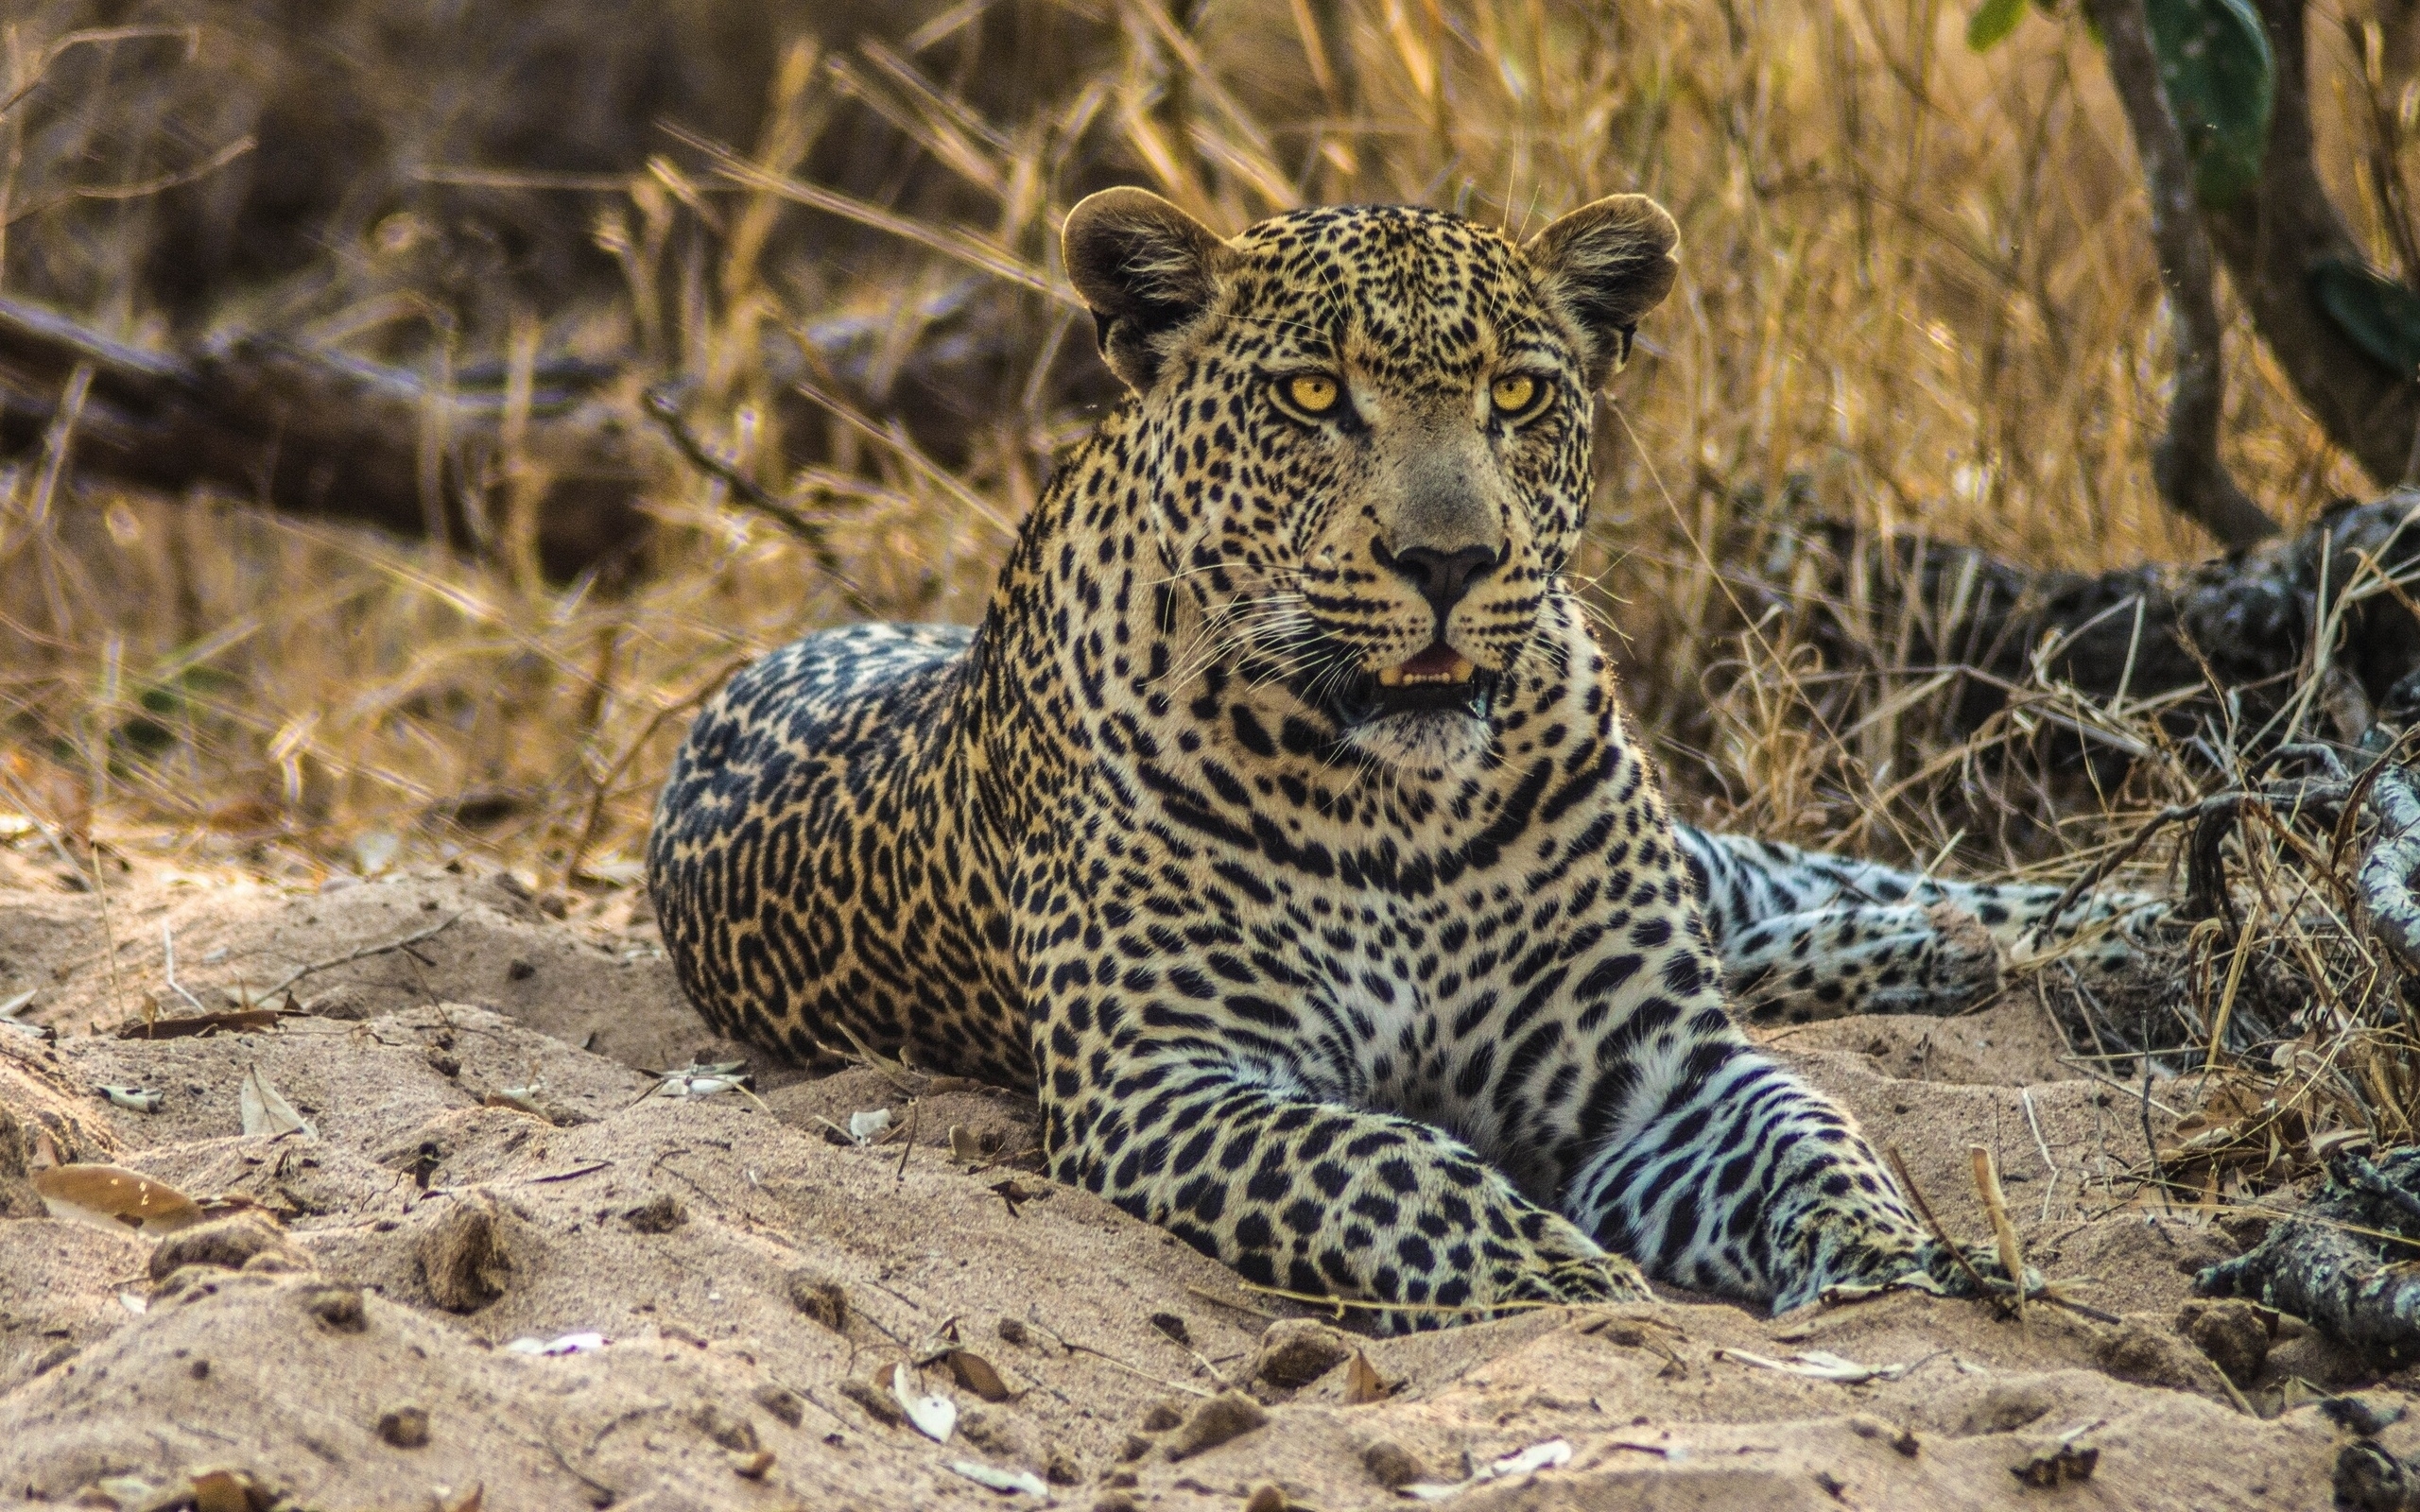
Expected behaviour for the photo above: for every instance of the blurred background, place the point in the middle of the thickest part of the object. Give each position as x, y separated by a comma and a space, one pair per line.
700, 324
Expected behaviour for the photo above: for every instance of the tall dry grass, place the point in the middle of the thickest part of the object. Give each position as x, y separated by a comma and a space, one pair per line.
1917, 293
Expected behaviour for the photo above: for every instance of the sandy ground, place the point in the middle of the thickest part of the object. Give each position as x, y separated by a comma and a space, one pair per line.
492, 1163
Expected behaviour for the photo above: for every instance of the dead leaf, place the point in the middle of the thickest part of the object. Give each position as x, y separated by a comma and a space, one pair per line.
187, 1025
1362, 1383
1551, 1454
1818, 1364
110, 1194
468, 1501
133, 1099
266, 1113
869, 1126
978, 1375
935, 1416
999, 1479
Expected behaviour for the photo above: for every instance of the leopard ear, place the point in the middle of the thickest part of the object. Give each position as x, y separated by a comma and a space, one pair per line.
1146, 269
1607, 263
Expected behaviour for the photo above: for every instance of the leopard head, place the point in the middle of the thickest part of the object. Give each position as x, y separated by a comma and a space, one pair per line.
1360, 439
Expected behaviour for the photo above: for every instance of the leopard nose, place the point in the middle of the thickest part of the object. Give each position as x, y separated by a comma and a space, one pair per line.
1442, 578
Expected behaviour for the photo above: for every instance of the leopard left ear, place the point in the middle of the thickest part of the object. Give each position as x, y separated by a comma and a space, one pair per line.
1607, 263
1146, 269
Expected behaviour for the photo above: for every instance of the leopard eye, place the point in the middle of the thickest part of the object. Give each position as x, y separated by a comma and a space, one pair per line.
1313, 394
1514, 394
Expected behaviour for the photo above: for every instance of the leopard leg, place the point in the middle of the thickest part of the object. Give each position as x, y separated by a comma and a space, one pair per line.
1807, 935
1826, 963
1311, 1195
1739, 1178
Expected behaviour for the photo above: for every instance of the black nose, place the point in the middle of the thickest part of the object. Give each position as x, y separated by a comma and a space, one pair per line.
1442, 576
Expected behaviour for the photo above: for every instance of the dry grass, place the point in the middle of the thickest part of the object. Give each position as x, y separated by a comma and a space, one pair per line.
1917, 293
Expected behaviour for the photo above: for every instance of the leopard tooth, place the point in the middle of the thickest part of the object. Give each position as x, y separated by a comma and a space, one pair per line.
1461, 671
1390, 676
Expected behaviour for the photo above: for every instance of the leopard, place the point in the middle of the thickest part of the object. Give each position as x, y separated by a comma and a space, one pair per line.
1281, 823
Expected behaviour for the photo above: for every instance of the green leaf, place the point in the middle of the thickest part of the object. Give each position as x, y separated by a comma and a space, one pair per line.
2220, 81
2381, 316
1992, 22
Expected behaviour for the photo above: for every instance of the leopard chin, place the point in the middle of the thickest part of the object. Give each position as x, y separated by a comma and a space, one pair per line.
1428, 744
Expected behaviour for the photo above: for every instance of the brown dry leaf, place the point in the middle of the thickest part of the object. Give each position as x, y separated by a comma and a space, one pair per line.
225, 1491
110, 1195
467, 1500
233, 1021
963, 1147
1362, 1383
978, 1375
266, 1112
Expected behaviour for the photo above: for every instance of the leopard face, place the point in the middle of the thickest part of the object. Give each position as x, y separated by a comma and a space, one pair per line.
1371, 427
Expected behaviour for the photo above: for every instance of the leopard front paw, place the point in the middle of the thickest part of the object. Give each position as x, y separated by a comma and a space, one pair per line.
1593, 1279
1941, 1265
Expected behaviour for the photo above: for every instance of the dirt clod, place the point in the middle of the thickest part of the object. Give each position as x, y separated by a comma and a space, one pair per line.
660, 1217
1391, 1465
733, 1433
1229, 1414
463, 1257
2233, 1333
877, 1401
1296, 1351
786, 1405
338, 1307
405, 1426
820, 1298
2149, 1353
2006, 1408
228, 1243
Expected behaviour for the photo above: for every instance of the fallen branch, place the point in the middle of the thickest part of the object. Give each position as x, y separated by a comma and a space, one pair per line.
2224, 641
316, 433
2385, 881
2344, 1262
2185, 464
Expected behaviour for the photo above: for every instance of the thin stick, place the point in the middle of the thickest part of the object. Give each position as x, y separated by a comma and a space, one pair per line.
1940, 1235
363, 954
2025, 1095
1987, 1187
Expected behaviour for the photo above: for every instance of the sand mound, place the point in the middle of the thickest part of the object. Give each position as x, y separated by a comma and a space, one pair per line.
732, 1289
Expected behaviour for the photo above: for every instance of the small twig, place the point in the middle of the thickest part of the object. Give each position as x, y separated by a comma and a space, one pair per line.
1209, 1296
168, 954
907, 1146
361, 954
2024, 1096
666, 411
1923, 1209
630, 753
2150, 1144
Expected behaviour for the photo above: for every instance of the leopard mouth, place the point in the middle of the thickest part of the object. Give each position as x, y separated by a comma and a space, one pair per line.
1438, 680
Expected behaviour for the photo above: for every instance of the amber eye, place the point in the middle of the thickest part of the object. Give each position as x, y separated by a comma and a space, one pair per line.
1313, 394
1513, 394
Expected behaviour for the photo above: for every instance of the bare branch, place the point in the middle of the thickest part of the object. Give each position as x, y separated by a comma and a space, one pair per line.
2186, 463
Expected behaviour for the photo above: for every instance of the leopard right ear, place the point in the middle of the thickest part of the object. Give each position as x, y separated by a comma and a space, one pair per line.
1146, 269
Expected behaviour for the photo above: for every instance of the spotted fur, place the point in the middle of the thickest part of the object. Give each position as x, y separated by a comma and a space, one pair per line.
1389, 991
